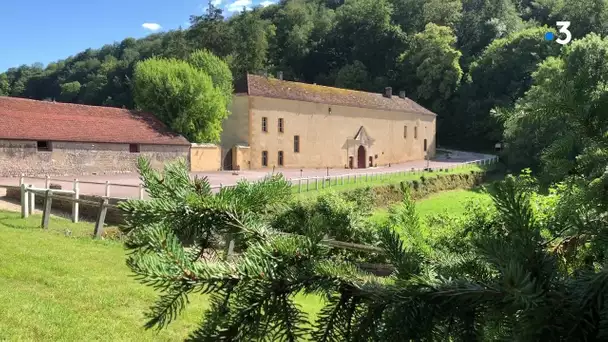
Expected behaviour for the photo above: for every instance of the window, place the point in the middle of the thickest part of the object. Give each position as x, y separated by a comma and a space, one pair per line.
264, 124
404, 132
44, 146
424, 145
296, 143
281, 128
280, 158
134, 148
264, 158
415, 132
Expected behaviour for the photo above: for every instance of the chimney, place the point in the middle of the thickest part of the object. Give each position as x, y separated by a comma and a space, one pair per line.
402, 94
388, 92
280, 75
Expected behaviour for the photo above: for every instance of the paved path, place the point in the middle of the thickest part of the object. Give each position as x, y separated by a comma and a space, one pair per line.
227, 178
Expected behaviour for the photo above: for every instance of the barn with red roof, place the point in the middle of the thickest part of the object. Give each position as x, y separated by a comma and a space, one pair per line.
44, 137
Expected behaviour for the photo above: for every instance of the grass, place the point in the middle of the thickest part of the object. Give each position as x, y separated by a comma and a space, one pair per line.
453, 203
396, 178
58, 288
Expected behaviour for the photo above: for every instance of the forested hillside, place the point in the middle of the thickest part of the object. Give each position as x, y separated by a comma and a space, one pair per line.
468, 60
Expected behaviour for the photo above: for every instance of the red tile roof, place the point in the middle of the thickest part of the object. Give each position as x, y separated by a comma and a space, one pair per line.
288, 90
24, 119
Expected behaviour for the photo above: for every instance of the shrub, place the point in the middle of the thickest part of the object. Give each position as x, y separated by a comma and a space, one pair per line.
334, 215
362, 197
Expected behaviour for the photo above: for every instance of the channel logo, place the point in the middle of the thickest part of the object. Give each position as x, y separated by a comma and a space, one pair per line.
563, 30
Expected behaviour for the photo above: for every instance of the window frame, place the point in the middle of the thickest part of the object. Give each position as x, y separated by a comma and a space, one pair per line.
404, 131
281, 124
296, 144
264, 124
281, 158
415, 132
264, 158
134, 148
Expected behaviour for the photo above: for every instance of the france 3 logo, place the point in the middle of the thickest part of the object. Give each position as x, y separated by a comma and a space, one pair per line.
566, 36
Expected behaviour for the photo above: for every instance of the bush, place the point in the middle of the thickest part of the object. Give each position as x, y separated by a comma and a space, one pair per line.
336, 216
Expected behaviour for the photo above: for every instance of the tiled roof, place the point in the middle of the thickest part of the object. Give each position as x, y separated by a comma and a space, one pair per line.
288, 90
24, 119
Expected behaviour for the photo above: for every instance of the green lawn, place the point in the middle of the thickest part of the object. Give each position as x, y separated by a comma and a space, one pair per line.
310, 190
58, 288
452, 202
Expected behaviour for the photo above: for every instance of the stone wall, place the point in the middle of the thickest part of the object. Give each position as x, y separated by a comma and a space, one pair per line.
86, 212
72, 158
205, 157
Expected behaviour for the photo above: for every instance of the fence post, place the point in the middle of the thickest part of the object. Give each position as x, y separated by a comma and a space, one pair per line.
101, 217
47, 182
300, 181
22, 179
307, 183
107, 188
141, 192
317, 183
24, 201
75, 204
46, 210
32, 198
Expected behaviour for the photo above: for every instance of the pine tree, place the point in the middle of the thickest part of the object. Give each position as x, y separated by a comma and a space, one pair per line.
511, 273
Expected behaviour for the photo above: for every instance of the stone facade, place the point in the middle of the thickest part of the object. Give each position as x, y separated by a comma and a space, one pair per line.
75, 158
332, 136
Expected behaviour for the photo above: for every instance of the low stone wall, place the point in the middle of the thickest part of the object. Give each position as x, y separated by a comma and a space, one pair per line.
73, 158
87, 212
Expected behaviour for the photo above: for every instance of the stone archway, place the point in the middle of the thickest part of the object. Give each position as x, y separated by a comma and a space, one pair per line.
361, 157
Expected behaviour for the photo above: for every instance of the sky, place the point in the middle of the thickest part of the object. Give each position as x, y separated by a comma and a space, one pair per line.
45, 31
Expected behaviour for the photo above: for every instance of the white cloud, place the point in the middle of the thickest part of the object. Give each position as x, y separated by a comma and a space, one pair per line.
151, 26
267, 3
216, 2
238, 5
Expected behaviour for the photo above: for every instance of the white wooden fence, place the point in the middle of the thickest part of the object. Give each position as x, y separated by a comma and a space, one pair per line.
303, 183
28, 203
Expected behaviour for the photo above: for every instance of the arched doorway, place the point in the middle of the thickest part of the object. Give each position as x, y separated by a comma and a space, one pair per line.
361, 157
228, 160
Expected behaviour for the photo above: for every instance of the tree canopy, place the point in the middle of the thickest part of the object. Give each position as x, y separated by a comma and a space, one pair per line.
467, 60
191, 99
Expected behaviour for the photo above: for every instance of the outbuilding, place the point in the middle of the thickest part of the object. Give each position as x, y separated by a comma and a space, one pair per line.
52, 138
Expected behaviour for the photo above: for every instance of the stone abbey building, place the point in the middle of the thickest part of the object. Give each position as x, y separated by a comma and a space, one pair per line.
277, 123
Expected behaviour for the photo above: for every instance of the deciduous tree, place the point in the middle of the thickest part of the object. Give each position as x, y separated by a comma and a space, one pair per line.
181, 96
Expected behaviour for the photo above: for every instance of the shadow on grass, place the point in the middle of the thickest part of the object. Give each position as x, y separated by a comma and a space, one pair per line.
14, 220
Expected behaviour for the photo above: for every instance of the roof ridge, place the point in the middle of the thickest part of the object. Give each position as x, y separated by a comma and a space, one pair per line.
71, 104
